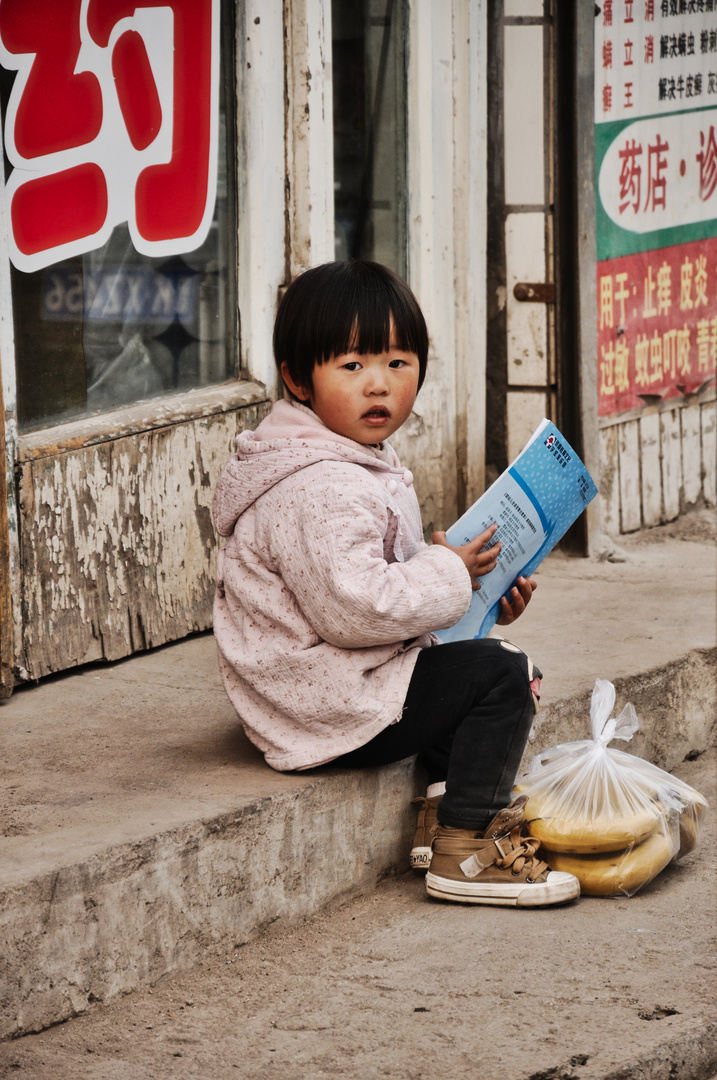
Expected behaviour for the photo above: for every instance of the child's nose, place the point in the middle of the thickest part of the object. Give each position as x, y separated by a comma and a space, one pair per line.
378, 383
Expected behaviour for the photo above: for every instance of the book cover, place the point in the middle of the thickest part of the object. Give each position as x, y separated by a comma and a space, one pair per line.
534, 502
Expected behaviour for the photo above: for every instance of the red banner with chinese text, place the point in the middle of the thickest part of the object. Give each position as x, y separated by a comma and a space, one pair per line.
657, 324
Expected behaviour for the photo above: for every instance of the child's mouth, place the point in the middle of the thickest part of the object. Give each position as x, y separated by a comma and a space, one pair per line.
376, 414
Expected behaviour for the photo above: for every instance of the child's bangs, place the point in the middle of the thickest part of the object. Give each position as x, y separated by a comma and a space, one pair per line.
360, 324
361, 319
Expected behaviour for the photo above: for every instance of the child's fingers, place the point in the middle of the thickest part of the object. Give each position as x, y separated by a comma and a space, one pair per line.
511, 607
519, 596
483, 565
488, 555
527, 587
517, 601
514, 604
479, 560
506, 616
484, 538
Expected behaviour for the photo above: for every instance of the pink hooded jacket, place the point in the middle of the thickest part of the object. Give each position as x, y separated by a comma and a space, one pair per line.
326, 590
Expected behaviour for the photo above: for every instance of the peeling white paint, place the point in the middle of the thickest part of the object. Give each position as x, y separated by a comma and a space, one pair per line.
118, 547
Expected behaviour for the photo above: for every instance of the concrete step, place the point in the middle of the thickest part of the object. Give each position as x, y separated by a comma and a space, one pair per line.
141, 827
395, 984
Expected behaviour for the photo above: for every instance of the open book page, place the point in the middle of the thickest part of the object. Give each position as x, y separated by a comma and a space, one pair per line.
534, 502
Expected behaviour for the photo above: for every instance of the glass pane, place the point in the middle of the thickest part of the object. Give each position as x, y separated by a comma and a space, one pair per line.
370, 130
113, 327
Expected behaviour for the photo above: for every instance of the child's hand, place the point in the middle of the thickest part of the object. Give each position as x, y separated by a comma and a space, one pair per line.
478, 563
520, 594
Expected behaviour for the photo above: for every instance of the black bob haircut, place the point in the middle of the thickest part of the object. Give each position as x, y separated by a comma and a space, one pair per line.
343, 307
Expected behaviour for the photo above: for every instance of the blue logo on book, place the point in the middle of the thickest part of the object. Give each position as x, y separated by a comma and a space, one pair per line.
557, 449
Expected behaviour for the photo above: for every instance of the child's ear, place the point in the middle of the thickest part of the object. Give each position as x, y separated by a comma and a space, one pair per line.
300, 392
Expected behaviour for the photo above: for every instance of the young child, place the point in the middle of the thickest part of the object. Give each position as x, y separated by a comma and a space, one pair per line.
327, 593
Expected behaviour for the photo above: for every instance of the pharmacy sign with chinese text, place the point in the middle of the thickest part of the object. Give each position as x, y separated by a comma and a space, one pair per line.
112, 117
656, 186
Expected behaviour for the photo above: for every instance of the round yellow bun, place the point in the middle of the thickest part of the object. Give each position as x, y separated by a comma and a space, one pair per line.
590, 837
616, 873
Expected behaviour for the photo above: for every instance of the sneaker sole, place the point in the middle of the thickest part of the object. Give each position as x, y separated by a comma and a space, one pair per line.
558, 889
420, 859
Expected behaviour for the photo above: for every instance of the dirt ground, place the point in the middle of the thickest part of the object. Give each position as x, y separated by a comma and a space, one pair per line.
395, 984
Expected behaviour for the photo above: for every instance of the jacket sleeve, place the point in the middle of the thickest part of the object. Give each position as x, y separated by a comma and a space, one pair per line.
329, 553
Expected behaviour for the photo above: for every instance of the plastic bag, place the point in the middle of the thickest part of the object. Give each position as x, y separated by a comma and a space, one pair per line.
612, 819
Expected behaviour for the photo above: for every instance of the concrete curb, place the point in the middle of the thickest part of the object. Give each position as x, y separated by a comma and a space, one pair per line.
125, 918
692, 1056
676, 704
689, 1057
135, 912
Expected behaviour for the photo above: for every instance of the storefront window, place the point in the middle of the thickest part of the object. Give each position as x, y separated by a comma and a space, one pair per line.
370, 130
109, 326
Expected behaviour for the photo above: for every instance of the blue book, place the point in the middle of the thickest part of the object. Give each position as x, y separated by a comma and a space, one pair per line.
533, 503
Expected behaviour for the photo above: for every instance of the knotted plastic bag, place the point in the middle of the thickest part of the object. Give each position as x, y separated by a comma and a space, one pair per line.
611, 819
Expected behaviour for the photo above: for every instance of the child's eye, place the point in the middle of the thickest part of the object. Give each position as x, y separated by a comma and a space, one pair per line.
353, 365
397, 363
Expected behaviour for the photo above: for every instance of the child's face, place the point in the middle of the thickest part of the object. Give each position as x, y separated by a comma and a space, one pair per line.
363, 397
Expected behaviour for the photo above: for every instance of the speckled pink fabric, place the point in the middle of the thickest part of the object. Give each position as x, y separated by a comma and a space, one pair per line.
326, 590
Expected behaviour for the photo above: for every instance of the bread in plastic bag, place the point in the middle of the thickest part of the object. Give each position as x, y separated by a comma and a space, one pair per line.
611, 819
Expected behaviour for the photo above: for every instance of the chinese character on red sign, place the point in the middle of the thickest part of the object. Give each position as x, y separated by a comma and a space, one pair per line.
621, 295
657, 324
607, 315
112, 117
707, 160
664, 288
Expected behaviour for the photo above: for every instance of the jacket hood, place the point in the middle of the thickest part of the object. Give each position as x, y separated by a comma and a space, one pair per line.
290, 438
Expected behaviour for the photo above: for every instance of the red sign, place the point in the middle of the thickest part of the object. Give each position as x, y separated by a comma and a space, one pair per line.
113, 117
657, 324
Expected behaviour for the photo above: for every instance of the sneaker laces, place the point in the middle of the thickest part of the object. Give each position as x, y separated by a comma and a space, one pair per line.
522, 855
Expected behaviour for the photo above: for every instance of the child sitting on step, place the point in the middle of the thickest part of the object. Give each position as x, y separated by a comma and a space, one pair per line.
327, 593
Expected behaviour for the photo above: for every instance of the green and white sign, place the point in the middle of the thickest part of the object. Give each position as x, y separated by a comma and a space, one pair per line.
656, 124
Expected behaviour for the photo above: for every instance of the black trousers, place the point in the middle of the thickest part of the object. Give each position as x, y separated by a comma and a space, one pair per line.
468, 713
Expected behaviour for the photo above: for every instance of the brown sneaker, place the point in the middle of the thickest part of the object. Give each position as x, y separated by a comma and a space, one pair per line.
420, 857
498, 867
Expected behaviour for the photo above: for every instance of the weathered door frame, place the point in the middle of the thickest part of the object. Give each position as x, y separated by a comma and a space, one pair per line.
576, 324
569, 289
